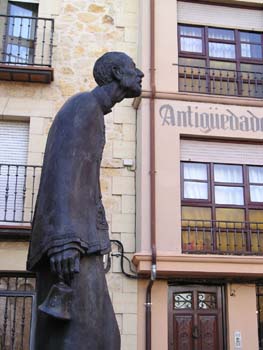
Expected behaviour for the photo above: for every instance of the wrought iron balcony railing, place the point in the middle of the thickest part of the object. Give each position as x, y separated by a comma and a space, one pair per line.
221, 81
18, 191
17, 310
222, 237
26, 40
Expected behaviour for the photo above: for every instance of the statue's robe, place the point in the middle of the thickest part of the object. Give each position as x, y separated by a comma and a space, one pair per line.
69, 214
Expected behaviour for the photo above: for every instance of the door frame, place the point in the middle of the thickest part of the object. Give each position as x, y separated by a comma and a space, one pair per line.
171, 288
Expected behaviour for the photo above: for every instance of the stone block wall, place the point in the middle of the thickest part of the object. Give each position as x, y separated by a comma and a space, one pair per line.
84, 30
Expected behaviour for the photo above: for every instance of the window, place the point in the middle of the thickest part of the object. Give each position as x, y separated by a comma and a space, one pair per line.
222, 207
17, 302
20, 33
220, 61
14, 138
26, 42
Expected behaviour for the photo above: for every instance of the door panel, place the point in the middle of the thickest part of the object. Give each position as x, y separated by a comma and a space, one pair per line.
196, 318
208, 328
183, 326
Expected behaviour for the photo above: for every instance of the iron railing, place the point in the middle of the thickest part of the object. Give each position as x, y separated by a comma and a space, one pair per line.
17, 304
222, 237
18, 192
26, 40
221, 81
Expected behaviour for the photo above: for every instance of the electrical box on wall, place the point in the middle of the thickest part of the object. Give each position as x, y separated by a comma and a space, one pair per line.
238, 340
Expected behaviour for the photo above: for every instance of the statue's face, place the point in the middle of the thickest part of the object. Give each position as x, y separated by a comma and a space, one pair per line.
131, 78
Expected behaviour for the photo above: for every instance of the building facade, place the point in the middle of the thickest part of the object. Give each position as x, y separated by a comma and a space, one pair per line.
189, 151
200, 211
48, 49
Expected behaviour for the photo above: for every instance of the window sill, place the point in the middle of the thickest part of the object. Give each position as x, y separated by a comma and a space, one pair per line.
32, 74
15, 233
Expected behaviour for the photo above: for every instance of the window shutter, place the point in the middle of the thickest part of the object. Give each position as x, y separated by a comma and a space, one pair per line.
222, 16
221, 152
13, 142
13, 152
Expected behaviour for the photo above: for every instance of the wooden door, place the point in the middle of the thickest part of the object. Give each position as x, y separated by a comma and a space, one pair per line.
196, 318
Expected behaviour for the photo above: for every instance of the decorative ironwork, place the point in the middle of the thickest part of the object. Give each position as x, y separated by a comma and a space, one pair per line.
18, 192
183, 300
205, 80
222, 237
206, 300
26, 40
17, 298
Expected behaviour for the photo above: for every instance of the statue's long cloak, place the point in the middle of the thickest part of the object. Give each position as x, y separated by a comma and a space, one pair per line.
69, 208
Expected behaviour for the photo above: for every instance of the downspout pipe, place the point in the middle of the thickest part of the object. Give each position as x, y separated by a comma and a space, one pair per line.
148, 303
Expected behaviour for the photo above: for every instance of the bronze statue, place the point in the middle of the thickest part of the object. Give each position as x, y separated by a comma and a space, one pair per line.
69, 230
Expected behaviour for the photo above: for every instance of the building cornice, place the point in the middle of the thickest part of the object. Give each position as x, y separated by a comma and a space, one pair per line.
193, 265
179, 96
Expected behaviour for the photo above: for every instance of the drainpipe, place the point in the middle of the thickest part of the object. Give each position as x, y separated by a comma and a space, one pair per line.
148, 304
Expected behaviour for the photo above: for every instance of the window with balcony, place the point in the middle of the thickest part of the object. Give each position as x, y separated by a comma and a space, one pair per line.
26, 43
222, 208
18, 180
220, 61
20, 33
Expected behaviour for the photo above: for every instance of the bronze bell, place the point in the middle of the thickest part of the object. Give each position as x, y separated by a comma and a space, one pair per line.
58, 301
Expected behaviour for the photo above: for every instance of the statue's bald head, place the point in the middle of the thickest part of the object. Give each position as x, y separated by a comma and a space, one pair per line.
104, 66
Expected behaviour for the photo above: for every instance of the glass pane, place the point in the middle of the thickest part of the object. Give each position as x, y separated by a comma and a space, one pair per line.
206, 300
228, 173
252, 90
196, 213
230, 230
219, 87
256, 193
229, 195
193, 84
20, 27
256, 218
223, 69
222, 50
256, 230
251, 51
224, 34
18, 54
183, 300
194, 68
191, 31
256, 68
195, 190
195, 171
192, 62
191, 45
196, 229
256, 174
230, 217
250, 37
252, 75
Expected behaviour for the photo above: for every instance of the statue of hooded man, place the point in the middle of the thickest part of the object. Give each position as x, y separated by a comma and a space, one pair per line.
69, 230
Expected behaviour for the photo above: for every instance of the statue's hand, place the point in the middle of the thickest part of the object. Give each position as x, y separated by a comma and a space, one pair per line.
65, 263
